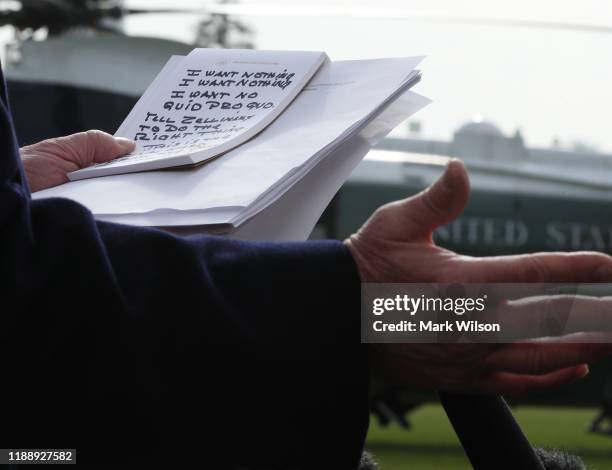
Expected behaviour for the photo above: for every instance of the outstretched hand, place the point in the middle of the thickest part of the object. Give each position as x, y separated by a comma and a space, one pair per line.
47, 163
396, 245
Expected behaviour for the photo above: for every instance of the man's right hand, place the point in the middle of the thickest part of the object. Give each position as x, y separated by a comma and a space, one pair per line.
396, 245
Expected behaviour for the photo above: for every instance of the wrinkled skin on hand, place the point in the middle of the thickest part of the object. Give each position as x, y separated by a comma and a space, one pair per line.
396, 245
47, 163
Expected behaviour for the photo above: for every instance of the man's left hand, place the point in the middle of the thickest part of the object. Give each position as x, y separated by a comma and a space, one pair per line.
47, 163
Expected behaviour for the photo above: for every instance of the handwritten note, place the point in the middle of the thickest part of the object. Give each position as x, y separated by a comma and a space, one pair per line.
207, 103
202, 105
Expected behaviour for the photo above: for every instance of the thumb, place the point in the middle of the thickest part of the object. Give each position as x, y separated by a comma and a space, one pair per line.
439, 204
87, 148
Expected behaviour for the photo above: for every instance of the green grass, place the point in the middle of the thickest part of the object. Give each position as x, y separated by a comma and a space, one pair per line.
432, 444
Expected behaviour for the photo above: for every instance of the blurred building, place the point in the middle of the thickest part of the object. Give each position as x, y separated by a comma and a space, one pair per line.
523, 199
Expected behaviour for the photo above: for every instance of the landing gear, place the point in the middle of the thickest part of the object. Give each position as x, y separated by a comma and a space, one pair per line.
602, 424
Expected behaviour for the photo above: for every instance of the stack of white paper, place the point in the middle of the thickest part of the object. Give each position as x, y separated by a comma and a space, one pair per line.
276, 185
206, 103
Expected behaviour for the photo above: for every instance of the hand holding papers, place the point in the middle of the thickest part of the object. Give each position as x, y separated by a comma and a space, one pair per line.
327, 125
206, 104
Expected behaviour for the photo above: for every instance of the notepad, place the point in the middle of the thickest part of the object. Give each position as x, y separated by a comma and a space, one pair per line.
277, 184
207, 103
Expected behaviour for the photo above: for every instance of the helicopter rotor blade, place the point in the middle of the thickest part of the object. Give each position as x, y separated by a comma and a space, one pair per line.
383, 13
142, 11
328, 11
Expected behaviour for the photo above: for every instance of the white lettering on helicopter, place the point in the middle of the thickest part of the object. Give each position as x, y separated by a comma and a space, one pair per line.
515, 234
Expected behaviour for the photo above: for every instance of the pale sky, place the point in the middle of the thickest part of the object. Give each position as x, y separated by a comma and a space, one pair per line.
549, 83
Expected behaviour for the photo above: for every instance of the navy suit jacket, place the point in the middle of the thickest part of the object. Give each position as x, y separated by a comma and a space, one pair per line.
134, 345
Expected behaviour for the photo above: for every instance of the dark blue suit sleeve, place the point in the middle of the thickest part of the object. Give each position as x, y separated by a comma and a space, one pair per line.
132, 344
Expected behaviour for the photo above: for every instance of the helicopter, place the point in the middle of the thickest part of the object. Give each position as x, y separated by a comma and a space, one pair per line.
57, 87
52, 63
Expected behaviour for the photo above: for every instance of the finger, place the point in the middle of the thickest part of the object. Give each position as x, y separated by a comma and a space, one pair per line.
556, 315
581, 337
515, 384
437, 205
94, 146
105, 147
581, 266
544, 356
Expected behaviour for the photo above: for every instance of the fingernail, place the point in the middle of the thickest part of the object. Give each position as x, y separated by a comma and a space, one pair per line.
126, 145
585, 371
446, 175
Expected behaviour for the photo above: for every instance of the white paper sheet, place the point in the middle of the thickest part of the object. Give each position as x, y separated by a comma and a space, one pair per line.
293, 216
208, 103
343, 94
